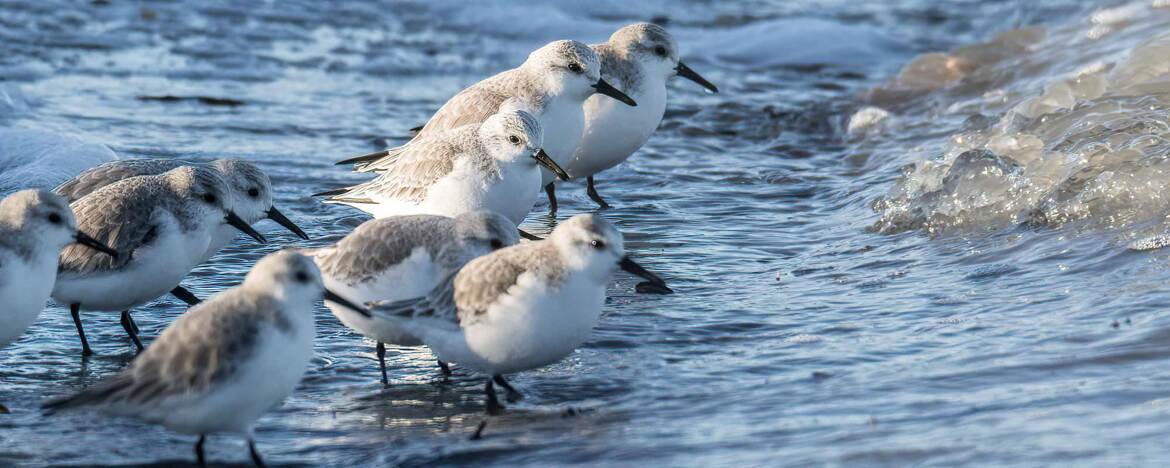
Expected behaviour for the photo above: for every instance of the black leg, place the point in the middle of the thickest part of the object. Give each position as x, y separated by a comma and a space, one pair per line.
479, 430
131, 329
493, 404
382, 364
4, 409
184, 295
513, 394
444, 368
255, 455
551, 191
199, 451
592, 191
75, 309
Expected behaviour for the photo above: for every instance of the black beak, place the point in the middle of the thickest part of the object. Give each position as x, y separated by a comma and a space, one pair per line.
543, 158
686, 72
275, 215
607, 89
233, 219
333, 297
653, 281
84, 239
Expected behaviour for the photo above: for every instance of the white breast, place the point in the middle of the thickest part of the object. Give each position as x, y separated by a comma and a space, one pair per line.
563, 120
614, 131
530, 327
414, 277
24, 289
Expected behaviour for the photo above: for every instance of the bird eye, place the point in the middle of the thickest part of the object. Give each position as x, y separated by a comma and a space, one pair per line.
514, 139
253, 192
302, 277
597, 244
575, 67
661, 51
209, 198
54, 218
496, 244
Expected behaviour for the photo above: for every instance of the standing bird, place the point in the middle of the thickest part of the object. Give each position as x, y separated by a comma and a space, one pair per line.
494, 165
161, 226
227, 361
522, 307
34, 226
552, 84
402, 257
251, 191
640, 58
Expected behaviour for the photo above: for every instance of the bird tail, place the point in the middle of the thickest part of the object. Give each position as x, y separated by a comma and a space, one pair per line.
365, 158
333, 192
95, 394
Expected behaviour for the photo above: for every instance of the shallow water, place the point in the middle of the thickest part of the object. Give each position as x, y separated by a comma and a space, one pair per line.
847, 294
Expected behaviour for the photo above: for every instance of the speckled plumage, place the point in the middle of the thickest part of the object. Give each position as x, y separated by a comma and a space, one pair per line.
121, 214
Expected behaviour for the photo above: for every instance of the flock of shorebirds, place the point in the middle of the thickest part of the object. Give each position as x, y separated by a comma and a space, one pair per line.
442, 264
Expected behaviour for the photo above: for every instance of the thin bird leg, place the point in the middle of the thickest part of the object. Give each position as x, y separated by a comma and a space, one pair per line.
184, 295
382, 364
513, 394
551, 191
255, 455
592, 191
131, 329
444, 368
199, 451
493, 404
75, 310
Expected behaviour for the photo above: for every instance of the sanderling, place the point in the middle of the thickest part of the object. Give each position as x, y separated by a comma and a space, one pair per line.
491, 166
160, 225
250, 187
552, 84
639, 58
34, 226
222, 365
522, 307
402, 257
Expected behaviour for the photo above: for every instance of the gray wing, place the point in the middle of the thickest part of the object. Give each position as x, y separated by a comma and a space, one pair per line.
119, 215
482, 281
438, 304
379, 244
473, 105
114, 171
409, 172
206, 346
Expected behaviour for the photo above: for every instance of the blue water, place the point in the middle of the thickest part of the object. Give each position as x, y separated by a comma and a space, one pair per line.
799, 334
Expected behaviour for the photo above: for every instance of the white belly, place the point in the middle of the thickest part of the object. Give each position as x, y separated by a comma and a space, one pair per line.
463, 191
270, 375
23, 291
563, 122
414, 277
614, 131
153, 272
530, 328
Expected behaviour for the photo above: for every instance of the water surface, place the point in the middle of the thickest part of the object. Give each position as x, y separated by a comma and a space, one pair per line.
847, 294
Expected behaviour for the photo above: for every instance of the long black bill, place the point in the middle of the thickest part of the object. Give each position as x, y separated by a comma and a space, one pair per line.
275, 215
635, 269
686, 72
547, 161
84, 239
607, 89
333, 297
233, 219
